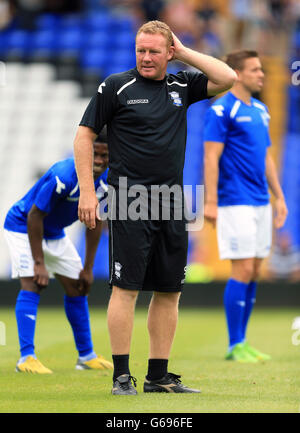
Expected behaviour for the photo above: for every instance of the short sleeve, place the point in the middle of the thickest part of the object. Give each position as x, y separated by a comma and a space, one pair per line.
51, 192
101, 107
216, 124
197, 85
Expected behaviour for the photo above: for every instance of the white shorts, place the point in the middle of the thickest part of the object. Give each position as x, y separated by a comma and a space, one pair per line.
60, 255
244, 231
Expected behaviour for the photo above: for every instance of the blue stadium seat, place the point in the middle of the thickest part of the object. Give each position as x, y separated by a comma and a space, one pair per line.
122, 24
290, 178
70, 41
97, 21
123, 40
43, 44
17, 43
97, 39
47, 21
122, 57
93, 59
3, 44
71, 21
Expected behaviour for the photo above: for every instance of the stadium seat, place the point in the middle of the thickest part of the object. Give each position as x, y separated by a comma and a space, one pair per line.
16, 45
69, 41
47, 21
97, 39
94, 59
71, 21
42, 46
122, 24
123, 40
97, 21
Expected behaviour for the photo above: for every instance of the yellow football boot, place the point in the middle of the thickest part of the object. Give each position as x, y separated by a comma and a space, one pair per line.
32, 365
98, 363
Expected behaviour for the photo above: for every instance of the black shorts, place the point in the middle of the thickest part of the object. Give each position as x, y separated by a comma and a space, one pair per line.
148, 254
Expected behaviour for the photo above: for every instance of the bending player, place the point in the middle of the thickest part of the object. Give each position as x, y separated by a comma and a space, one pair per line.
39, 247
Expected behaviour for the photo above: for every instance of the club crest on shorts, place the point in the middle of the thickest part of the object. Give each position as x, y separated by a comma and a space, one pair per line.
176, 99
118, 268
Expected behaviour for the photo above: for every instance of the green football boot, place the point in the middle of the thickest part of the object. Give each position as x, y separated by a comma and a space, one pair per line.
239, 354
256, 353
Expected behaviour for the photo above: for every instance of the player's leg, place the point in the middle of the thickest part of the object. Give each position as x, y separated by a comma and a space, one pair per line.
77, 312
251, 295
250, 301
162, 323
236, 229
27, 301
64, 262
263, 246
170, 254
129, 246
120, 320
235, 305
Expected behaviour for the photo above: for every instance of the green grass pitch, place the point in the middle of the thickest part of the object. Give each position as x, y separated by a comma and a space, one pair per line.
197, 354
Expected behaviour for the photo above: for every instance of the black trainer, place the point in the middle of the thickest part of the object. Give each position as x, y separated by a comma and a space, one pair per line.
169, 383
123, 386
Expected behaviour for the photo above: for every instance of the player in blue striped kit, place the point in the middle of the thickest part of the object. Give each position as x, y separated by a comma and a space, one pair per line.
239, 170
39, 248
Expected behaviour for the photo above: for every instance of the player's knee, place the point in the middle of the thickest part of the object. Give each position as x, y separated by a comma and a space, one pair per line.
167, 297
243, 272
124, 295
29, 285
255, 274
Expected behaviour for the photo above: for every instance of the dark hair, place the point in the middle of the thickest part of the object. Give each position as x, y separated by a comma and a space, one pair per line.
102, 137
236, 59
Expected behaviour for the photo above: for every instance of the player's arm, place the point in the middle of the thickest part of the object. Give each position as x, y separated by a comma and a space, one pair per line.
212, 153
92, 238
273, 182
35, 228
83, 154
220, 76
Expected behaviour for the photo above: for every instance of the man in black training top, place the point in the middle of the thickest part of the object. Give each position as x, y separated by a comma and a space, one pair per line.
145, 112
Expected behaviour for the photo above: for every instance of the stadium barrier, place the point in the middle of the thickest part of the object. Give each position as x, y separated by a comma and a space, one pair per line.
269, 294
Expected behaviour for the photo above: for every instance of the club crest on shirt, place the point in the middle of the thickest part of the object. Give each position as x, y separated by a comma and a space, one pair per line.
176, 99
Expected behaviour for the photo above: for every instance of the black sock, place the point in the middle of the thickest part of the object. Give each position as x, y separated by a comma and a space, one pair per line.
121, 365
157, 368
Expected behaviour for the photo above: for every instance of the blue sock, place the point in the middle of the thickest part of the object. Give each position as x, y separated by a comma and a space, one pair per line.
250, 301
77, 312
26, 311
234, 303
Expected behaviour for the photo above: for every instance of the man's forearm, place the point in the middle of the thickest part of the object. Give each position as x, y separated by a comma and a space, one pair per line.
217, 71
83, 154
35, 230
272, 178
211, 176
92, 238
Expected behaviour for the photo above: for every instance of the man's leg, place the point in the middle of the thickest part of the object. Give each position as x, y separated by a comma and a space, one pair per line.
250, 301
77, 312
162, 323
120, 319
26, 313
251, 295
235, 305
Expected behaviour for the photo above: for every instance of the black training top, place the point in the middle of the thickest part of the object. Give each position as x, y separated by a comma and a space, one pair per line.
146, 124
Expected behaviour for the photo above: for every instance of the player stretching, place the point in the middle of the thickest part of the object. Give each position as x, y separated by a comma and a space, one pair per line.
34, 230
238, 170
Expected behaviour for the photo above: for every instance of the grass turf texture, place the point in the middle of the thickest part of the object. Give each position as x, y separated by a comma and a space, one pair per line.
198, 354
